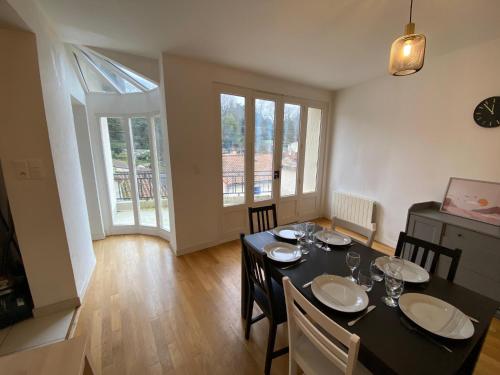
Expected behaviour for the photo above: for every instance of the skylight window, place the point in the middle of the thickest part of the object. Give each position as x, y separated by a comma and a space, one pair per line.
100, 74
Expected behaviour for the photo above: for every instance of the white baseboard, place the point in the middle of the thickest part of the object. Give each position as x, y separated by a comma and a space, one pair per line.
66, 304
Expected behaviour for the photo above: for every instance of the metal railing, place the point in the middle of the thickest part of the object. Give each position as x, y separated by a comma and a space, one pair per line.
234, 183
145, 190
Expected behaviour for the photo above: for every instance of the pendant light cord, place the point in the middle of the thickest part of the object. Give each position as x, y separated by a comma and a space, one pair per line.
411, 8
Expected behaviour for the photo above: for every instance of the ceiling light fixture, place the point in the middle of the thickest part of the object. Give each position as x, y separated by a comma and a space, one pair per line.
408, 51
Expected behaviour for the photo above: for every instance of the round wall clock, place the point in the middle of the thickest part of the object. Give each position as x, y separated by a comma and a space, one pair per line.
487, 113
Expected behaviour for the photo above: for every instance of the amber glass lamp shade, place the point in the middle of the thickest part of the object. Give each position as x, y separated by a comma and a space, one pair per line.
407, 53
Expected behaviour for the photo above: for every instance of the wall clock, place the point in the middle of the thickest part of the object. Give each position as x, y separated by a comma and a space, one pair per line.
487, 113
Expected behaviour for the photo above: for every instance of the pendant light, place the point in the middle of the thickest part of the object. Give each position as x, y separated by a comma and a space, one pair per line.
408, 51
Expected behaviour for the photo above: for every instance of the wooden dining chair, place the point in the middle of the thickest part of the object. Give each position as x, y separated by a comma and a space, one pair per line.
268, 295
314, 339
264, 221
427, 254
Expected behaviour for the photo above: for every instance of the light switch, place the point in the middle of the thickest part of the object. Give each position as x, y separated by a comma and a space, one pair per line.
21, 169
35, 169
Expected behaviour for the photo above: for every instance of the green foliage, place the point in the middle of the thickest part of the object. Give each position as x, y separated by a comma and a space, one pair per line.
118, 143
233, 123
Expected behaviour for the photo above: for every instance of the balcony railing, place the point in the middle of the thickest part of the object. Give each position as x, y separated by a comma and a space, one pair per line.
234, 183
123, 189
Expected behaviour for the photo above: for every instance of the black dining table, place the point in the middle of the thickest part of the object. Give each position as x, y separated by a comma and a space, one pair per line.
387, 345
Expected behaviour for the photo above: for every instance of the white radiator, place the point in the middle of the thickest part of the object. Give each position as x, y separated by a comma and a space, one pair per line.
354, 209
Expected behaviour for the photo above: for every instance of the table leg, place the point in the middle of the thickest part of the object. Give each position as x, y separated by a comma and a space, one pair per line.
244, 288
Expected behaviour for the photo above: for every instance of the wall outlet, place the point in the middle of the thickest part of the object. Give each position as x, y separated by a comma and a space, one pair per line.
21, 169
35, 169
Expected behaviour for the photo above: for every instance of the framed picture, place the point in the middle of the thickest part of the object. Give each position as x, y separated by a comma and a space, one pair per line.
473, 199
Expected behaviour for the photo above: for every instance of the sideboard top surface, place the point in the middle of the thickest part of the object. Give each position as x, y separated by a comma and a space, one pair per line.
430, 210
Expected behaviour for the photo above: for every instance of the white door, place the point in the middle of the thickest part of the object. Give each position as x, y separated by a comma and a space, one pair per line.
134, 158
301, 159
271, 153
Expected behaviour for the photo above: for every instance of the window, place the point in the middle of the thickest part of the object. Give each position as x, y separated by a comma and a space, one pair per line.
290, 150
144, 171
232, 111
100, 74
263, 149
313, 129
162, 172
117, 171
136, 170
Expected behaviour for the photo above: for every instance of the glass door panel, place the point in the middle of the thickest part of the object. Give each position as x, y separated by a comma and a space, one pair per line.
290, 150
264, 149
313, 129
117, 170
162, 173
143, 170
232, 111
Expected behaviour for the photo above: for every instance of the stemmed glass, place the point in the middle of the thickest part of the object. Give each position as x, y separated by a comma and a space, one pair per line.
352, 259
395, 264
322, 245
365, 281
309, 232
394, 286
299, 234
376, 273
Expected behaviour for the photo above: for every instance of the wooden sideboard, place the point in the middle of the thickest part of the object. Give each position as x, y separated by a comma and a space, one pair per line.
68, 357
479, 268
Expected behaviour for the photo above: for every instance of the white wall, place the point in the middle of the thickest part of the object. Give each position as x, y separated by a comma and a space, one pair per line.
195, 145
88, 170
399, 139
34, 203
58, 84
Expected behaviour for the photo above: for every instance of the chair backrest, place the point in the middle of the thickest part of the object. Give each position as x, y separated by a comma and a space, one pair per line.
258, 273
264, 222
427, 254
304, 317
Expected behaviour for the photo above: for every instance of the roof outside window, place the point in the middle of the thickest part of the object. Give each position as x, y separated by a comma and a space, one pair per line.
100, 74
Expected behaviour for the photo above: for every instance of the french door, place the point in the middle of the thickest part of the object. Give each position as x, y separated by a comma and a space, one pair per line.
134, 158
272, 148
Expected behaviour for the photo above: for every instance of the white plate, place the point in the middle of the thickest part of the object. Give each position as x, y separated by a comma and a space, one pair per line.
282, 252
339, 293
286, 231
412, 273
436, 316
333, 238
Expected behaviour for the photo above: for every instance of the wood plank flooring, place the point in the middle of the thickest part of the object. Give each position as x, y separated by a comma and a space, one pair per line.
149, 312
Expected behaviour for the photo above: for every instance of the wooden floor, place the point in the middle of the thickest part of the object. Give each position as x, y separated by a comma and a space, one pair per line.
149, 312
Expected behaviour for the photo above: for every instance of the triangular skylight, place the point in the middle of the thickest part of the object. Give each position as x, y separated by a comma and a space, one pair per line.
100, 74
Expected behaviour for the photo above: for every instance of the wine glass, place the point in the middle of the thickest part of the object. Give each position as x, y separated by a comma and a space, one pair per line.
365, 281
323, 245
309, 232
299, 234
352, 260
395, 264
394, 286
376, 273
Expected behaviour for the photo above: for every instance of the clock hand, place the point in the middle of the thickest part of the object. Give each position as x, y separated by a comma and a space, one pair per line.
488, 108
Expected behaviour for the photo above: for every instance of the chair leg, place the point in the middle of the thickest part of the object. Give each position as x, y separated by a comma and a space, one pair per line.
270, 347
249, 316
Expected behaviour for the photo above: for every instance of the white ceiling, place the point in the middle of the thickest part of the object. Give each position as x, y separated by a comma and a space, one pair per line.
326, 43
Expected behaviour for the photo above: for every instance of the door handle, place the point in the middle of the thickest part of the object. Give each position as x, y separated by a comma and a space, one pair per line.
276, 175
